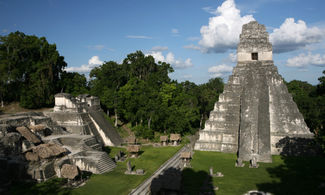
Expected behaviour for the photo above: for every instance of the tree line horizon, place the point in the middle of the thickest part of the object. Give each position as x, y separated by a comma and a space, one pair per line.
137, 91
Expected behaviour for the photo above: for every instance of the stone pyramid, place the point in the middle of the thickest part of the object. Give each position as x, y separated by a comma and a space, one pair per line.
255, 110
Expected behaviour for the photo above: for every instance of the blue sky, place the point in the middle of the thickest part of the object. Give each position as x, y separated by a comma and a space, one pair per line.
197, 37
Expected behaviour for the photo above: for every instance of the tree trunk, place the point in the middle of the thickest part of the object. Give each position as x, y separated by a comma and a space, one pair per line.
201, 120
2, 104
149, 122
115, 117
107, 112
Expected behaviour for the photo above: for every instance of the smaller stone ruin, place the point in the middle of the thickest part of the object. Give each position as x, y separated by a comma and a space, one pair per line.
186, 159
175, 139
164, 140
217, 174
134, 151
130, 171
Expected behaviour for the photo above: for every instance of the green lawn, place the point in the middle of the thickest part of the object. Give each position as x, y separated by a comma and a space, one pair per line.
286, 175
115, 182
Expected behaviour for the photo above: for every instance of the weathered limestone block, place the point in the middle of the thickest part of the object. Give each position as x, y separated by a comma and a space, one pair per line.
30, 156
69, 171
45, 151
27, 134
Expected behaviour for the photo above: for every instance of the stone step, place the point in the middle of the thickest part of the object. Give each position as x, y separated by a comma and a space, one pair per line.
104, 168
105, 164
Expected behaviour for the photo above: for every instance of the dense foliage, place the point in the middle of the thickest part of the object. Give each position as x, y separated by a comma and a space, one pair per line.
139, 91
311, 103
30, 69
73, 83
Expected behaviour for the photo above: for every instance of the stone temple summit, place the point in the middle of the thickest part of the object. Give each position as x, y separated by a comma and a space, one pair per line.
255, 112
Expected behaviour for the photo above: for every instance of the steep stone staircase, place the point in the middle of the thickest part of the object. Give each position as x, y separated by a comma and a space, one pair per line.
89, 125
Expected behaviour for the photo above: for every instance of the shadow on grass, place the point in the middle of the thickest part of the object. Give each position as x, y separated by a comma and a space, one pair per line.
196, 182
52, 186
302, 171
298, 175
167, 183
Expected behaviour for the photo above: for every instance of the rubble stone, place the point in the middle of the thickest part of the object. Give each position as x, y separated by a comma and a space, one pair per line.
69, 171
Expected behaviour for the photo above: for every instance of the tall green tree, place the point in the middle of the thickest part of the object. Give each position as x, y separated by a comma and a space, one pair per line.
73, 83
303, 94
30, 70
320, 92
208, 95
106, 81
311, 103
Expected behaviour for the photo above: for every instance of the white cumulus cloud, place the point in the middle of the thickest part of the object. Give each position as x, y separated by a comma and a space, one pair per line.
158, 55
85, 68
303, 60
219, 70
170, 59
294, 35
222, 32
